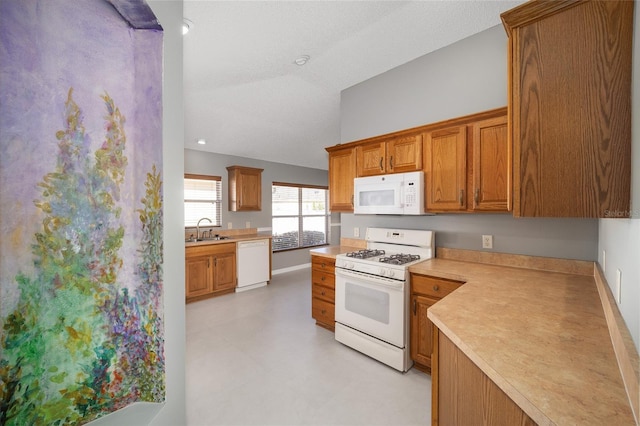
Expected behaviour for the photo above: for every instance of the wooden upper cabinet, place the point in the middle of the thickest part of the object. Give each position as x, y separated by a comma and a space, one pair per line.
404, 154
491, 173
342, 171
445, 161
245, 188
396, 155
371, 159
570, 107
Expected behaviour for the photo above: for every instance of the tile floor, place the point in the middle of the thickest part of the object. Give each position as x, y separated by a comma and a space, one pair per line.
257, 358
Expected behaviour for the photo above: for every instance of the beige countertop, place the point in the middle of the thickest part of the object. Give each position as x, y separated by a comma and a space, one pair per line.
332, 251
541, 336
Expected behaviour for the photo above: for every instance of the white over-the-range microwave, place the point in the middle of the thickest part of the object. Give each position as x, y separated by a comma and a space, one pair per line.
398, 193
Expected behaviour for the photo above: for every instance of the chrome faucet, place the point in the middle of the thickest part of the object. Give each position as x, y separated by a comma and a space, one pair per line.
198, 226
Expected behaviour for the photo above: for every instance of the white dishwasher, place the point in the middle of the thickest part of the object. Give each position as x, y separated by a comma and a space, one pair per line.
253, 264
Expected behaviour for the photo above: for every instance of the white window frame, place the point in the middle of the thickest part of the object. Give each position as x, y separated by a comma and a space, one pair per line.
301, 216
215, 214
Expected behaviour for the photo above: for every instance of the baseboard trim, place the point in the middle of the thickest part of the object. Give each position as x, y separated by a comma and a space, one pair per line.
290, 269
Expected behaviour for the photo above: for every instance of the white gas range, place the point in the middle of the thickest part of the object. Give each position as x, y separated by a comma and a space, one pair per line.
372, 293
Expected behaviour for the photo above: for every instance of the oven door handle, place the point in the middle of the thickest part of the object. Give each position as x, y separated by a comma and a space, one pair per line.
371, 280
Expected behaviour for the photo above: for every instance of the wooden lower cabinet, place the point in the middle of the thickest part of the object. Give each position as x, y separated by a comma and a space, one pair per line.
425, 291
463, 395
210, 270
323, 284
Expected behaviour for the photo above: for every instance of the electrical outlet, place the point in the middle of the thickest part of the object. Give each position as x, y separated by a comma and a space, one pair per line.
604, 261
356, 232
247, 224
618, 285
487, 241
229, 225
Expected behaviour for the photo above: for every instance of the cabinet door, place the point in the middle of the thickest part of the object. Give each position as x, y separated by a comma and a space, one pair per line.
570, 106
250, 190
491, 165
371, 159
198, 276
245, 188
463, 395
404, 154
445, 167
421, 330
342, 171
224, 275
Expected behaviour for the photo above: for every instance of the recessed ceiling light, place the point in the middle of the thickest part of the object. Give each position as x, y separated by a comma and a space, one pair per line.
301, 60
186, 25
202, 142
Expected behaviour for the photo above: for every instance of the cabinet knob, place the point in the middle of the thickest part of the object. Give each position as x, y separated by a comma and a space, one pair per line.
436, 288
322, 292
391, 162
322, 279
461, 197
324, 311
414, 306
381, 163
476, 197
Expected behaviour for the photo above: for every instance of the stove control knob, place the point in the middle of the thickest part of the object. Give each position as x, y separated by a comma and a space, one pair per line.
391, 272
349, 265
382, 272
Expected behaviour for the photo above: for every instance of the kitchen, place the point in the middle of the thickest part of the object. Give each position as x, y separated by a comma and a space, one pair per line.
476, 88
560, 237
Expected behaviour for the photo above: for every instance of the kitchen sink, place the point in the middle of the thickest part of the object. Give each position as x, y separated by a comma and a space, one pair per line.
216, 238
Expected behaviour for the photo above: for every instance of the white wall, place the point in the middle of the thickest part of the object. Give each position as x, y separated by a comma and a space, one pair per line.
169, 14
464, 78
620, 238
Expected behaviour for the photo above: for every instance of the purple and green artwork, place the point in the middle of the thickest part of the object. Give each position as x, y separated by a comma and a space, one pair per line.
81, 290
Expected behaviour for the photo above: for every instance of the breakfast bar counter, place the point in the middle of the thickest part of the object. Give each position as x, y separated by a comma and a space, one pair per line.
541, 336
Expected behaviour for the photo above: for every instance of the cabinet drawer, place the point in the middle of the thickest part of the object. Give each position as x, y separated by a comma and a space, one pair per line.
324, 293
321, 263
323, 311
325, 279
436, 287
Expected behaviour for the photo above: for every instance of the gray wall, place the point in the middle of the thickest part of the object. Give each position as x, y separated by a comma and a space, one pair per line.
620, 238
565, 238
199, 162
463, 78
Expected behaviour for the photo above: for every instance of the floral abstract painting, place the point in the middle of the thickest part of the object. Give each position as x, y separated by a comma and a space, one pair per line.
81, 308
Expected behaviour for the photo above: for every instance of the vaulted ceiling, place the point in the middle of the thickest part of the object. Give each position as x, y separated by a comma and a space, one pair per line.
244, 94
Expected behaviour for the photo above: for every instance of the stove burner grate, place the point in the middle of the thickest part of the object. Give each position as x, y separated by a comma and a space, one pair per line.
399, 259
364, 254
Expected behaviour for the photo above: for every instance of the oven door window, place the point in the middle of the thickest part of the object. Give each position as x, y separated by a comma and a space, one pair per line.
372, 305
368, 302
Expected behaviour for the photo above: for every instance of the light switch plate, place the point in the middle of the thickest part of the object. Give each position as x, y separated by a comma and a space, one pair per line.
487, 241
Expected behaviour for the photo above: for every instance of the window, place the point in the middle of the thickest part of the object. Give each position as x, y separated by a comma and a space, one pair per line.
300, 216
202, 198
